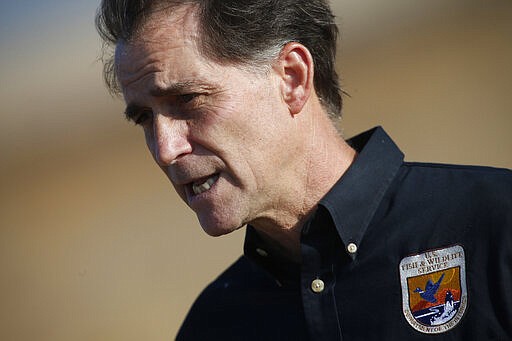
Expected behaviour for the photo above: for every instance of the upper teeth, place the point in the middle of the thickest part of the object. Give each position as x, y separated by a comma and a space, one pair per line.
200, 188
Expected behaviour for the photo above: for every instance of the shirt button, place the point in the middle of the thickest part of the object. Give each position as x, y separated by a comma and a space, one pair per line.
317, 285
262, 252
352, 248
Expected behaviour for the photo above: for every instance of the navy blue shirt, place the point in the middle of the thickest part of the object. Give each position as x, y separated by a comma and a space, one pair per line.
394, 251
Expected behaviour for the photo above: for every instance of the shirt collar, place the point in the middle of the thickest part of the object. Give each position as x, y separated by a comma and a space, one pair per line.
353, 200
284, 271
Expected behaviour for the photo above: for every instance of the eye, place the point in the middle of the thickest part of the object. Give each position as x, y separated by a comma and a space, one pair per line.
187, 98
143, 117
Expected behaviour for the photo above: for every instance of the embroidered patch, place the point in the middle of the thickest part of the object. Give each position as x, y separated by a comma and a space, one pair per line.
434, 295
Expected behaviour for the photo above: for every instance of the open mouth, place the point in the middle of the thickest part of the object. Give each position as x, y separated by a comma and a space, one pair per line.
204, 184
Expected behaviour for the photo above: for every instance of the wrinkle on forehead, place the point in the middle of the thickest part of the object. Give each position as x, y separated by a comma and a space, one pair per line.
164, 29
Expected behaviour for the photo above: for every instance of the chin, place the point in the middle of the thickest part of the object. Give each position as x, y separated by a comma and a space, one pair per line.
217, 227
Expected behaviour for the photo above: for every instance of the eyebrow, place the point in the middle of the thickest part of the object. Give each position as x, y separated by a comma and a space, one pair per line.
173, 89
132, 109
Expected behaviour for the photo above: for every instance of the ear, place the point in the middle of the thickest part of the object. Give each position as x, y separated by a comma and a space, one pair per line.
295, 68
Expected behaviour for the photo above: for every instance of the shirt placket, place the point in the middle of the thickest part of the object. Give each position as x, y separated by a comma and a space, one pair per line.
318, 281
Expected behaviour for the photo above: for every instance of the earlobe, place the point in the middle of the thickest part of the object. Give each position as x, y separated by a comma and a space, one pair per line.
295, 67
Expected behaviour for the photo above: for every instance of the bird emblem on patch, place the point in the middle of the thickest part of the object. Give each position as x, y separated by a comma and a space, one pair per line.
434, 295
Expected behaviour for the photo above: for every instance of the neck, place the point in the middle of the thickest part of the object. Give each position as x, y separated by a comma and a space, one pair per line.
325, 158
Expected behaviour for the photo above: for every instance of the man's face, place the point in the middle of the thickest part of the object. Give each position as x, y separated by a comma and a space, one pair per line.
218, 132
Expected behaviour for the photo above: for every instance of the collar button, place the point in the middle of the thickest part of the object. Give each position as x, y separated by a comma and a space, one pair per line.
352, 248
262, 252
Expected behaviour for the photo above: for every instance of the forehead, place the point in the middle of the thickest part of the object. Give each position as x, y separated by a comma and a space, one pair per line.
164, 31
182, 19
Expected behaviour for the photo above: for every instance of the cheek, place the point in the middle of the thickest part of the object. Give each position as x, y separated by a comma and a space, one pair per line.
179, 189
214, 129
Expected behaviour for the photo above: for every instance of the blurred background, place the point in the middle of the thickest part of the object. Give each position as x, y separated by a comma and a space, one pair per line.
95, 245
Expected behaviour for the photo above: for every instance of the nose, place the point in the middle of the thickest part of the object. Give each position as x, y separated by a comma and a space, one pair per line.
169, 140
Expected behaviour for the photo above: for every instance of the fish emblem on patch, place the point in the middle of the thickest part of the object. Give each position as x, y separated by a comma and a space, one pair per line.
434, 295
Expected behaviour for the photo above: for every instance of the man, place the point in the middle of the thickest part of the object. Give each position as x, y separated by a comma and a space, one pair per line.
345, 241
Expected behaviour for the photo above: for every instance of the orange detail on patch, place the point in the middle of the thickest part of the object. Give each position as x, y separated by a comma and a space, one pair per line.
451, 282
